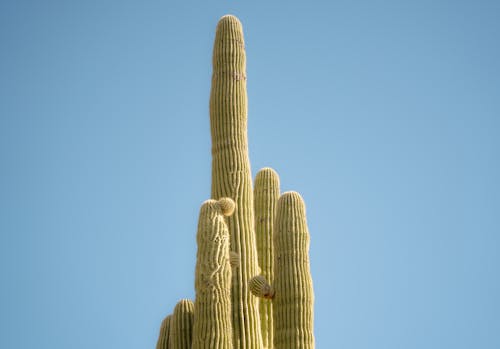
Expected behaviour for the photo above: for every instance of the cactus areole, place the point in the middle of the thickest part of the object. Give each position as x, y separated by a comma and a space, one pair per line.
252, 279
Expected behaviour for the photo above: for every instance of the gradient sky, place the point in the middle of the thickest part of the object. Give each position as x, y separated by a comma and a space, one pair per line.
385, 115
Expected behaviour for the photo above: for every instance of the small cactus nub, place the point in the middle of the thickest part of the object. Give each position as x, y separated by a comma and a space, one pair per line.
227, 206
261, 288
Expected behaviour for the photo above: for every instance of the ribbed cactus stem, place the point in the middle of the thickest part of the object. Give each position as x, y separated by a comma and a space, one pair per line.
164, 337
182, 325
261, 288
293, 300
212, 307
231, 176
266, 195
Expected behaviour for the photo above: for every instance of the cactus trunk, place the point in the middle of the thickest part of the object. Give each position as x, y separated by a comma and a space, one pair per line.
231, 176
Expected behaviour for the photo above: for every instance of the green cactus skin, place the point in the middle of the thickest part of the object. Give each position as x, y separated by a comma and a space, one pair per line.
212, 307
266, 195
182, 325
293, 299
231, 176
164, 337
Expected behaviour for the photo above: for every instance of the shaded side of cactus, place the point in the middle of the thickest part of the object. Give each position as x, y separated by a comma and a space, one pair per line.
231, 176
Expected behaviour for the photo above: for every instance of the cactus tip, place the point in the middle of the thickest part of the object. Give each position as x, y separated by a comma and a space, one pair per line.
229, 18
268, 170
228, 24
291, 197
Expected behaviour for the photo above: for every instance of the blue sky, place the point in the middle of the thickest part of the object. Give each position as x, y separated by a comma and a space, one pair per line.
385, 115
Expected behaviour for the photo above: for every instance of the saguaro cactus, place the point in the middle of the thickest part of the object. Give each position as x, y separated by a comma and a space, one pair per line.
248, 241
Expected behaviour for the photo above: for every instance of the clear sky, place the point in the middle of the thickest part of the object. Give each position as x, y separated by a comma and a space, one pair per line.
384, 114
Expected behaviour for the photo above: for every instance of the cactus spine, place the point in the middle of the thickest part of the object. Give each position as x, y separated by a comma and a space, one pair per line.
231, 175
266, 194
238, 255
212, 307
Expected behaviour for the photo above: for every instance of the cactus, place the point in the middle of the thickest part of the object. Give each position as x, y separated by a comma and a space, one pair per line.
249, 242
164, 337
266, 194
293, 300
182, 325
212, 307
231, 176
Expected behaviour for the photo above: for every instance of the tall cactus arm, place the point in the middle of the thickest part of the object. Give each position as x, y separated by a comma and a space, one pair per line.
266, 195
212, 307
164, 337
182, 325
231, 176
293, 300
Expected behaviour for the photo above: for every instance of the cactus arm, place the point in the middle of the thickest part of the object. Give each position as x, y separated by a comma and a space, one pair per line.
231, 176
266, 195
212, 307
164, 337
182, 325
293, 300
